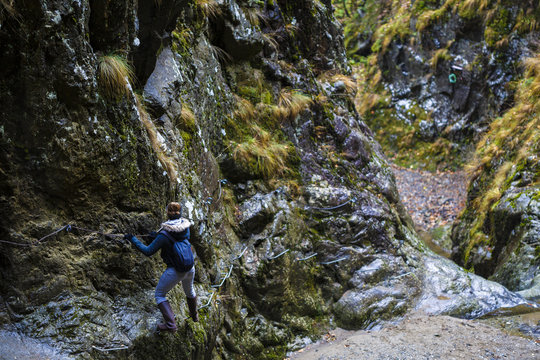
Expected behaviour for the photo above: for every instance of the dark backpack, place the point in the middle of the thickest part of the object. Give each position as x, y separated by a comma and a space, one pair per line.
182, 256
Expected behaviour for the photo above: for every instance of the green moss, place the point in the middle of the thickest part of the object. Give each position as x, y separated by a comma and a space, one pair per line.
499, 27
423, 5
266, 97
403, 143
251, 93
187, 138
537, 252
199, 334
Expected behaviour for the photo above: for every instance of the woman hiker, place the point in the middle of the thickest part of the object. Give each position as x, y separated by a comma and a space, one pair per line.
176, 229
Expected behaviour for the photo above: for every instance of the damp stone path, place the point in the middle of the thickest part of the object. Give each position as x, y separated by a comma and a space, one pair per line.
422, 337
432, 199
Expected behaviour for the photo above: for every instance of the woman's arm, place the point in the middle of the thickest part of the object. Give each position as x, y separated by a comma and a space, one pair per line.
151, 249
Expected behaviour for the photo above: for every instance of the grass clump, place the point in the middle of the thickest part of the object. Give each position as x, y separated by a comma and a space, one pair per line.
270, 39
245, 111
257, 143
210, 8
115, 76
255, 133
262, 154
497, 19
428, 17
290, 104
254, 15
187, 119
221, 54
470, 9
7, 6
397, 26
528, 20
166, 161
438, 57
332, 77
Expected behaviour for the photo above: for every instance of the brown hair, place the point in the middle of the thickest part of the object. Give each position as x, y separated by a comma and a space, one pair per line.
173, 210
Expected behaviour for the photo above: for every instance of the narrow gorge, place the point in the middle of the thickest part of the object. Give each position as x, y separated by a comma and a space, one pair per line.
275, 124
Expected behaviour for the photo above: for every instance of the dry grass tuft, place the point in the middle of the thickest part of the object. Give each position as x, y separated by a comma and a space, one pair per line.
210, 8
527, 21
350, 83
291, 28
291, 103
262, 154
9, 7
114, 76
333, 77
221, 54
254, 15
471, 8
271, 40
532, 70
187, 118
166, 162
256, 140
245, 111
438, 57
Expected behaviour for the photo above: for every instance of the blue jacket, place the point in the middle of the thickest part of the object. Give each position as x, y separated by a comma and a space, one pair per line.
178, 229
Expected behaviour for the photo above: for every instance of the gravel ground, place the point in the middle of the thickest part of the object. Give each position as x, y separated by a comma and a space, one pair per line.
432, 199
419, 337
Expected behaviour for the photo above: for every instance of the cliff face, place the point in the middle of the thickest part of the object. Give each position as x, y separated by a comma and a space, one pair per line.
436, 73
498, 234
241, 111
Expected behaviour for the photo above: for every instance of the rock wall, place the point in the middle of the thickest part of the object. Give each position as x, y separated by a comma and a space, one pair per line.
307, 231
497, 235
436, 73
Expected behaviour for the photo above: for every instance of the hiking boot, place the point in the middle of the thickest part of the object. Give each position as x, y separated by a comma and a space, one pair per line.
192, 304
168, 315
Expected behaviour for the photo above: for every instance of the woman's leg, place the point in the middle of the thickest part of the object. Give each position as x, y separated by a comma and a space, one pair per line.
187, 283
167, 281
191, 297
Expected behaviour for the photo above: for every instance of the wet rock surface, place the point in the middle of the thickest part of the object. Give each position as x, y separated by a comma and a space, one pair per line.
16, 346
448, 289
432, 77
518, 213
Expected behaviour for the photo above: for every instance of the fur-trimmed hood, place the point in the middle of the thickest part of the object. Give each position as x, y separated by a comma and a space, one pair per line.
177, 225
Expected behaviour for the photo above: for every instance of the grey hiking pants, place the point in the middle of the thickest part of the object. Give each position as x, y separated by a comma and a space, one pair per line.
170, 278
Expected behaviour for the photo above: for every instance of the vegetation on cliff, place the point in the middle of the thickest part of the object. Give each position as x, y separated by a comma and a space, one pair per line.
506, 158
380, 37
